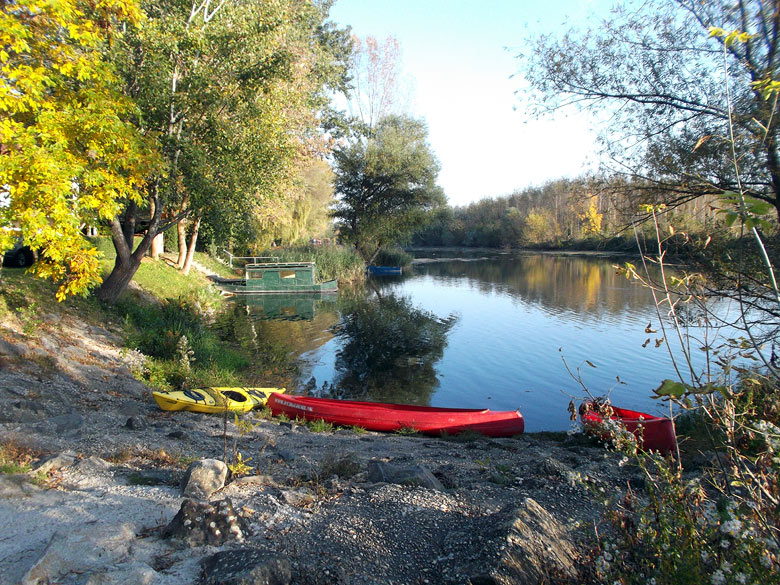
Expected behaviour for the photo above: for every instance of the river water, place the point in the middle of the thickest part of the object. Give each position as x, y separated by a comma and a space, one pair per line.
487, 332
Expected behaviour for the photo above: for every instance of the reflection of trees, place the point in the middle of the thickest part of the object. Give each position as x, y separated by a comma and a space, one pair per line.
389, 351
557, 284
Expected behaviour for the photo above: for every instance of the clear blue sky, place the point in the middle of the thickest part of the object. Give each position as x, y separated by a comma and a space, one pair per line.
459, 56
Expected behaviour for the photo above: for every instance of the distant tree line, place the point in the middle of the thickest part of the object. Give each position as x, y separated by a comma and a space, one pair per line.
582, 212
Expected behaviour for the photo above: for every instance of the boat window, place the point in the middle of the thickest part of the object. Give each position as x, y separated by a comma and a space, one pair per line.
287, 273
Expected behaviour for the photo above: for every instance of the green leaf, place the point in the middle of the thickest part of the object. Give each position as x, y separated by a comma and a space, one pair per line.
671, 388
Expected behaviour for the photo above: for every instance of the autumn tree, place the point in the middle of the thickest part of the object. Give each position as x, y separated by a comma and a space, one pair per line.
68, 153
386, 184
231, 88
674, 93
376, 89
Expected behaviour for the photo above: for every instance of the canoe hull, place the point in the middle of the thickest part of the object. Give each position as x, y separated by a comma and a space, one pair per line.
205, 400
376, 416
653, 433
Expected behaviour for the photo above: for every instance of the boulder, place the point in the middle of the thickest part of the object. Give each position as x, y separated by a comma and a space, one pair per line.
136, 423
418, 475
81, 550
539, 549
56, 462
198, 523
246, 566
203, 478
133, 573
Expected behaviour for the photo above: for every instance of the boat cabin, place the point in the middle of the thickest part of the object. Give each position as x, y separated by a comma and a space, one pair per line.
283, 277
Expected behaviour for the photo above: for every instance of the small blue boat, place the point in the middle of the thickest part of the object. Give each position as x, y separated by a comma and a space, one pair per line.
382, 270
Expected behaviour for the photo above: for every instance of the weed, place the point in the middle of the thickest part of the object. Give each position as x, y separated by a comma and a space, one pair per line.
357, 430
139, 479
320, 426
408, 431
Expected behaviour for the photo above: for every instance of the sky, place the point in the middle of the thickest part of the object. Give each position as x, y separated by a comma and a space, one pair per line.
459, 57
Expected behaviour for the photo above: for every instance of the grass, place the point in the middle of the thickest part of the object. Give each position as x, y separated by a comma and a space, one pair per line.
15, 458
332, 261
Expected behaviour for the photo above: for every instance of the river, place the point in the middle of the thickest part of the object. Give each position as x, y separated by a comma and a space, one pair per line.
489, 332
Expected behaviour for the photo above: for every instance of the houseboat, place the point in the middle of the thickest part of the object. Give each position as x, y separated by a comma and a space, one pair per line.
278, 277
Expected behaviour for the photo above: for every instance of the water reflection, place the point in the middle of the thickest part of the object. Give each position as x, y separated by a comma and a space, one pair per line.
589, 287
388, 350
398, 342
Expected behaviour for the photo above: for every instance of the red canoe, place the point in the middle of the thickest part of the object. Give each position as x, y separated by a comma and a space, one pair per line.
653, 433
376, 416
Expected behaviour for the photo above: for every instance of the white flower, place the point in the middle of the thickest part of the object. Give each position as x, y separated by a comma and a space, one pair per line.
741, 578
725, 544
731, 527
725, 566
718, 578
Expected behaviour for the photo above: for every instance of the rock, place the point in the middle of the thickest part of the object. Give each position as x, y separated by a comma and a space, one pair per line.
552, 468
56, 462
17, 485
246, 567
203, 478
84, 549
177, 434
199, 523
381, 471
253, 480
67, 422
539, 548
136, 423
92, 465
11, 349
132, 574
298, 498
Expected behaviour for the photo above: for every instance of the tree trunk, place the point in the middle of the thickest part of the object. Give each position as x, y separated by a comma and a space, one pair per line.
158, 246
191, 249
181, 229
127, 259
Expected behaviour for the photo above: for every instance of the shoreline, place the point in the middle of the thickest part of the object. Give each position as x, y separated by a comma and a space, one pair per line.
334, 507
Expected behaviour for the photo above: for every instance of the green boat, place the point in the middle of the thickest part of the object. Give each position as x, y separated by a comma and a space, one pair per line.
278, 277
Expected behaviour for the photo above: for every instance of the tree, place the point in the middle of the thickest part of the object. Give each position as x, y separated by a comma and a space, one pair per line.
386, 183
375, 87
68, 152
659, 74
231, 88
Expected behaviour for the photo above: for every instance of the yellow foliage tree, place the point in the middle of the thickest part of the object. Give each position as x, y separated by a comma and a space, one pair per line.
592, 219
68, 154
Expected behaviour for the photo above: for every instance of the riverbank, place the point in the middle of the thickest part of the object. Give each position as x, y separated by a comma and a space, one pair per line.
317, 507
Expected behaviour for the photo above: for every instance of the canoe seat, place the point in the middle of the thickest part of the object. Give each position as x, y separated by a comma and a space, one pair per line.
194, 395
236, 396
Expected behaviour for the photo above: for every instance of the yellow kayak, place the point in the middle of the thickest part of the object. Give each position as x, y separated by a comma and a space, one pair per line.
209, 400
258, 395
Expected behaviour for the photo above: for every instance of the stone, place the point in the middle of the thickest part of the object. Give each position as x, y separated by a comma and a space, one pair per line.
198, 523
298, 498
10, 349
254, 480
136, 423
177, 434
539, 549
56, 462
203, 478
92, 465
67, 422
132, 574
417, 475
80, 550
246, 566
16, 485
